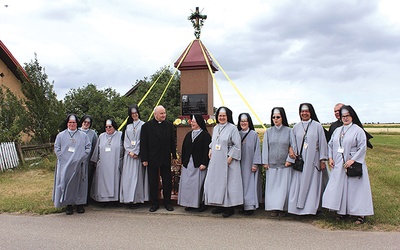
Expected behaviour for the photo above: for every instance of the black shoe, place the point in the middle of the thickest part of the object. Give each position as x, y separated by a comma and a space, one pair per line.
248, 212
189, 208
153, 208
103, 204
202, 208
169, 207
218, 210
228, 212
80, 209
134, 206
69, 210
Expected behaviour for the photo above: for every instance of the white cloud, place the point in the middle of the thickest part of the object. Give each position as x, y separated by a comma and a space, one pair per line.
278, 53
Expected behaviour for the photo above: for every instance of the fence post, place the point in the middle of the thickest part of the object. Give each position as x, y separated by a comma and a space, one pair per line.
20, 155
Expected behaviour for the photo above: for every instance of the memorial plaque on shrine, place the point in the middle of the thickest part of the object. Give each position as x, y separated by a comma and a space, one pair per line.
194, 104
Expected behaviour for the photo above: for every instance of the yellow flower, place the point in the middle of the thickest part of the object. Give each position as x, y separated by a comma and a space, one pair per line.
210, 121
177, 121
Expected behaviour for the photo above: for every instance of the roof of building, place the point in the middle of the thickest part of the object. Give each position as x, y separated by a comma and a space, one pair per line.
12, 63
133, 89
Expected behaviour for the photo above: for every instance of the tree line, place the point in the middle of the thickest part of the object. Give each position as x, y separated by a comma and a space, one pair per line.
40, 114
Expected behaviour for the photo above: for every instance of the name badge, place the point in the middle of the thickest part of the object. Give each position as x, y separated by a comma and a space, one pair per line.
305, 145
71, 149
133, 143
340, 150
218, 147
108, 149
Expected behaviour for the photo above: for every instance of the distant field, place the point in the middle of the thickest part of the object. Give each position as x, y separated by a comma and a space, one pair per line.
382, 130
393, 128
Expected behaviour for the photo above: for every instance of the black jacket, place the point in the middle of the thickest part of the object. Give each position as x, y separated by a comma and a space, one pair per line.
197, 149
157, 143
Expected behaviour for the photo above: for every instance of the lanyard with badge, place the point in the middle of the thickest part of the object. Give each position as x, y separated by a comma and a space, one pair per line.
133, 142
342, 134
108, 145
218, 145
71, 147
304, 143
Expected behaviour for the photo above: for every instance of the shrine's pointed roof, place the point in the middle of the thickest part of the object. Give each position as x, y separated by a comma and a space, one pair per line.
194, 58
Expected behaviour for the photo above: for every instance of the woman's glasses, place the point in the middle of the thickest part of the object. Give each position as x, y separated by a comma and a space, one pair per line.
109, 126
276, 117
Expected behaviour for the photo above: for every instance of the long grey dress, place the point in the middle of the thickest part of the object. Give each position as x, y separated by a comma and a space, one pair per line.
306, 187
93, 140
108, 156
275, 153
348, 195
223, 183
251, 155
191, 183
134, 179
70, 181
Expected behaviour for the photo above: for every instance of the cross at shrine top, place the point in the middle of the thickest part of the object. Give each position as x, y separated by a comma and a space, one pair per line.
197, 20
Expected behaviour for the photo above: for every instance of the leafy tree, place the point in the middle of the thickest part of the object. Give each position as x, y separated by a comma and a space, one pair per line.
13, 119
100, 104
44, 111
170, 100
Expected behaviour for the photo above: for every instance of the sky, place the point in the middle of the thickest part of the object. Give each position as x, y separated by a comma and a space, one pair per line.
276, 52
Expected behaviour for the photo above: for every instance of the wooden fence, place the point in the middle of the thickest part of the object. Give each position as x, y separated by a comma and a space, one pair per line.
8, 156
11, 154
33, 152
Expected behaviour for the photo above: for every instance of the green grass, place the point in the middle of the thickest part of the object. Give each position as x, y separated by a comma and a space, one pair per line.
28, 189
384, 173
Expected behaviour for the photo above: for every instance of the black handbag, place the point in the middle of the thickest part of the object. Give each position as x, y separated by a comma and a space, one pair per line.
355, 170
299, 162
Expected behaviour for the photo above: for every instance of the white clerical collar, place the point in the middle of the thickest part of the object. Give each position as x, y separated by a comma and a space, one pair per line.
245, 131
348, 125
69, 130
309, 120
83, 129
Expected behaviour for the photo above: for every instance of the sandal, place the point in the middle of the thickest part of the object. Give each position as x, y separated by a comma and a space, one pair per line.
360, 220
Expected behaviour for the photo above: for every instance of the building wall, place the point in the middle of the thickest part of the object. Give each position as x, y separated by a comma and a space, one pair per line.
10, 80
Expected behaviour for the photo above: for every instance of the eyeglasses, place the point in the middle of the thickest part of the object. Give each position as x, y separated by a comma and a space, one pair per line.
345, 116
276, 117
109, 126
71, 122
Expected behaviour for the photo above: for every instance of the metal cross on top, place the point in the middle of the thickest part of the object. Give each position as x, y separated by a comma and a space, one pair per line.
197, 20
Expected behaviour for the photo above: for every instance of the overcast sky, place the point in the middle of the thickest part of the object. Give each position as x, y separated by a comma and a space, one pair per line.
278, 53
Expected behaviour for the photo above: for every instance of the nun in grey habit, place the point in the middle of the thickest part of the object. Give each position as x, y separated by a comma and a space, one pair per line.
134, 178
223, 184
72, 148
276, 159
343, 194
306, 186
108, 156
194, 165
250, 159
